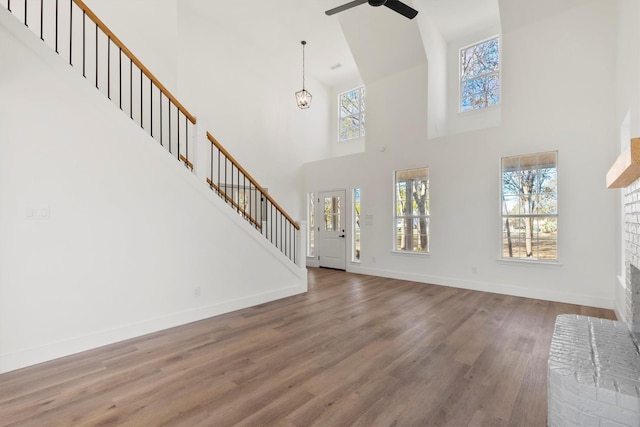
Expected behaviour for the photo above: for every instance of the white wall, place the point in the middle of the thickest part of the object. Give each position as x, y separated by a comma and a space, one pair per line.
558, 94
103, 235
627, 120
436, 48
149, 29
246, 98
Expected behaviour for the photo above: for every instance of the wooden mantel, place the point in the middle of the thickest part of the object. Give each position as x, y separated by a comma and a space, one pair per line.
626, 169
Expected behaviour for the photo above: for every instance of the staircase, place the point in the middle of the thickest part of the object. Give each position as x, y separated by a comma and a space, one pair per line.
119, 216
78, 36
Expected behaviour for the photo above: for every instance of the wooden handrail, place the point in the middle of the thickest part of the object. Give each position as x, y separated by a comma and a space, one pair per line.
186, 161
234, 203
134, 59
253, 181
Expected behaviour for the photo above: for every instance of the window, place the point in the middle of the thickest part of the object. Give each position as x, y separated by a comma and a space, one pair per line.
351, 114
530, 207
411, 219
311, 215
356, 225
480, 75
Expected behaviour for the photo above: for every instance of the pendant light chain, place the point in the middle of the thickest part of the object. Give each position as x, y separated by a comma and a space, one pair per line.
303, 45
303, 98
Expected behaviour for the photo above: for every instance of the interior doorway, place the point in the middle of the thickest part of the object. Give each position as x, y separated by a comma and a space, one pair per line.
332, 241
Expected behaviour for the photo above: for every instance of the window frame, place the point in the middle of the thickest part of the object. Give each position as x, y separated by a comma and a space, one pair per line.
396, 217
356, 234
534, 216
497, 72
311, 232
361, 113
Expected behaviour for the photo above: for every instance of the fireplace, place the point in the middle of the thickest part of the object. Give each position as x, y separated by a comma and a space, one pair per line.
594, 364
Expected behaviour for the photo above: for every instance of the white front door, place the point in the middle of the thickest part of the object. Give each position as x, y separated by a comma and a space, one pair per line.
331, 230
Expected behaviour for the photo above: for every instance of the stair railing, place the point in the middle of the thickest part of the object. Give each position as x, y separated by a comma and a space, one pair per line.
234, 184
100, 55
75, 32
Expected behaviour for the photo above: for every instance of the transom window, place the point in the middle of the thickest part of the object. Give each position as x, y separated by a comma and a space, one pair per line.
480, 75
411, 219
530, 207
351, 114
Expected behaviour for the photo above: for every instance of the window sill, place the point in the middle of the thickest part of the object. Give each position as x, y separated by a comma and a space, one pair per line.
532, 263
479, 110
411, 253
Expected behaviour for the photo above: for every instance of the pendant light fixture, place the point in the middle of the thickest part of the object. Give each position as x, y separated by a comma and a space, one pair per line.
303, 97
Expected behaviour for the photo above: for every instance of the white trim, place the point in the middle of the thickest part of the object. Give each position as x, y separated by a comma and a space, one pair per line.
498, 288
499, 72
361, 134
32, 356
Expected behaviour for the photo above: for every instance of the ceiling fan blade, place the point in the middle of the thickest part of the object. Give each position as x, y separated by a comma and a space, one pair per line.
401, 8
345, 7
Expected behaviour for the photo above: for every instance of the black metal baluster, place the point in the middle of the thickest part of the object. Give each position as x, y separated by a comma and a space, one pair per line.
141, 114
161, 130
211, 162
84, 14
41, 20
57, 27
169, 125
70, 32
186, 133
178, 126
131, 88
120, 75
9, 5
219, 170
271, 221
225, 175
97, 87
244, 195
232, 176
151, 107
109, 67
25, 13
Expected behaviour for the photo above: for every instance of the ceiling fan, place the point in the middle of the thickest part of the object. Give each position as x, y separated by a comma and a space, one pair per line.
395, 5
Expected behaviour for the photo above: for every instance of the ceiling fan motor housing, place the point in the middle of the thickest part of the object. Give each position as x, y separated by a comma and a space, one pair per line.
377, 2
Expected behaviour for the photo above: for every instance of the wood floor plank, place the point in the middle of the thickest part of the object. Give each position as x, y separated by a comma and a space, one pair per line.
354, 350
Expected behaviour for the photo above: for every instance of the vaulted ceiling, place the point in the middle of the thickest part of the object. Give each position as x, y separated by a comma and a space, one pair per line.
365, 42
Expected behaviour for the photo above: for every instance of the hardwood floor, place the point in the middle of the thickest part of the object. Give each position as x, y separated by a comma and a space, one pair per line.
355, 350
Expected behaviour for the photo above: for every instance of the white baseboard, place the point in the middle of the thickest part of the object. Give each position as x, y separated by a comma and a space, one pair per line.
498, 288
27, 357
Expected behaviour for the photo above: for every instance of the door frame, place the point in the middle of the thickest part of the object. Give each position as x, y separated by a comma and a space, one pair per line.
316, 260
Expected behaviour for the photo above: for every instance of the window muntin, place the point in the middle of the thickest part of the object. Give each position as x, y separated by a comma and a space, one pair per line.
332, 214
529, 194
411, 210
351, 114
356, 226
480, 75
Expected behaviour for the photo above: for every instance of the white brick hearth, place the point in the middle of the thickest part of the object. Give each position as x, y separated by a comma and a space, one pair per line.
594, 374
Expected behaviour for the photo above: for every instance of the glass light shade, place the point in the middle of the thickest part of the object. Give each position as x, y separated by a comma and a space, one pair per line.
303, 99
